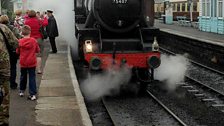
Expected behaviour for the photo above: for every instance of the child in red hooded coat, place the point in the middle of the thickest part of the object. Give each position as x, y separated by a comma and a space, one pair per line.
28, 47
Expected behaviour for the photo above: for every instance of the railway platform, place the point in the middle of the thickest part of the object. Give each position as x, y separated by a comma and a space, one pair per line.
59, 102
191, 32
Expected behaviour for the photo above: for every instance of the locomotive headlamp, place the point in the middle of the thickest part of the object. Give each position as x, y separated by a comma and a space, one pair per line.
88, 46
95, 63
153, 62
155, 45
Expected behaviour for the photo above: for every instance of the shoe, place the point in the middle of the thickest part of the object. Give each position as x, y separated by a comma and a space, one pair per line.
4, 122
39, 72
14, 86
32, 97
53, 52
21, 94
85, 66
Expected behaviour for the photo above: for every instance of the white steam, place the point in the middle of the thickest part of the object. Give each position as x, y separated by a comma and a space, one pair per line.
108, 83
172, 70
63, 11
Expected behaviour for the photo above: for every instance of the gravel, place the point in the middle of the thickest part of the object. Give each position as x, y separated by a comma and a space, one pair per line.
207, 77
138, 111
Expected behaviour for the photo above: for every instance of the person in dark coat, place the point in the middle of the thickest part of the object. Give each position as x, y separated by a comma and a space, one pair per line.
13, 56
52, 30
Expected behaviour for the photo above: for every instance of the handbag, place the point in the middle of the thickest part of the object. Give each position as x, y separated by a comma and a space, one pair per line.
43, 31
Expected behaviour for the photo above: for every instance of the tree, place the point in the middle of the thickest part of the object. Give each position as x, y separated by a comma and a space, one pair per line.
7, 7
4, 4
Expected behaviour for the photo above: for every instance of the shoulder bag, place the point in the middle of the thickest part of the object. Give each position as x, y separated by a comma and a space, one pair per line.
43, 31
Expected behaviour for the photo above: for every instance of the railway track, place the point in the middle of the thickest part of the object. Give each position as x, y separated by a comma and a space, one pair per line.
99, 114
122, 111
144, 111
205, 91
109, 114
167, 109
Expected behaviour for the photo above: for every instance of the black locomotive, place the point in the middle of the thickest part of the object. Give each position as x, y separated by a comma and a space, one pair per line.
119, 30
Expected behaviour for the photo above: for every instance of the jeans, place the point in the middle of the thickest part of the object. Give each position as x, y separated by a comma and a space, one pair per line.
32, 80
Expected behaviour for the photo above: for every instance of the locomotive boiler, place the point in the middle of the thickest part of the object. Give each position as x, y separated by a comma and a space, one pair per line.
118, 32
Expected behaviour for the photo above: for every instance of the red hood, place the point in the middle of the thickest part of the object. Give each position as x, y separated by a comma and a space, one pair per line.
28, 47
26, 44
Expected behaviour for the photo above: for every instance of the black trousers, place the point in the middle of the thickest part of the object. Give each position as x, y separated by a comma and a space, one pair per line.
53, 44
13, 62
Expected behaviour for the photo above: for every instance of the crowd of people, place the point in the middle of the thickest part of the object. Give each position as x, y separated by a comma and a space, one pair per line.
23, 40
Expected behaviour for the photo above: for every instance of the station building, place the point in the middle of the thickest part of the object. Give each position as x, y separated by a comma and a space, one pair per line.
22, 4
179, 8
211, 16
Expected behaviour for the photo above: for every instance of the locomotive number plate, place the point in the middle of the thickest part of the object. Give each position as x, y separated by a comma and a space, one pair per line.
119, 1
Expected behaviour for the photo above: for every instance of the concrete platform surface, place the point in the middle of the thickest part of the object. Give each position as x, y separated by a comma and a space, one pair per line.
191, 32
59, 103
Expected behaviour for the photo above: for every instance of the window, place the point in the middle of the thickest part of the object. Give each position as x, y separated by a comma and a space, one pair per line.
214, 8
19, 5
220, 8
162, 9
174, 7
203, 7
195, 6
188, 7
183, 6
178, 7
206, 8
78, 3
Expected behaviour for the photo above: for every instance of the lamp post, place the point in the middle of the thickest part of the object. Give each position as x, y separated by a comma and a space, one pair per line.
166, 4
191, 9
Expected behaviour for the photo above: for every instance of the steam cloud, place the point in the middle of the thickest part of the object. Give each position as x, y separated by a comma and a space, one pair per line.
64, 15
172, 70
108, 83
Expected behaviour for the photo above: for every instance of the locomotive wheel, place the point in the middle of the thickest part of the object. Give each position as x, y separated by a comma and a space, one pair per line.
143, 78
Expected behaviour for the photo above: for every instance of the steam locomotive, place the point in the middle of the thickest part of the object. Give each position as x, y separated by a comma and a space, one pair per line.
118, 32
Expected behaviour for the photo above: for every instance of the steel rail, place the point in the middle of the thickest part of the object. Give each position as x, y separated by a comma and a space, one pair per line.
167, 109
108, 112
206, 86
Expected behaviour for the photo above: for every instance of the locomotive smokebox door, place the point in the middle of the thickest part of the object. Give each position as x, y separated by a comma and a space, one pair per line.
118, 15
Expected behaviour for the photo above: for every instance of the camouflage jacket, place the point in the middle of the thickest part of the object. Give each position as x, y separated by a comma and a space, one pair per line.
15, 30
4, 55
